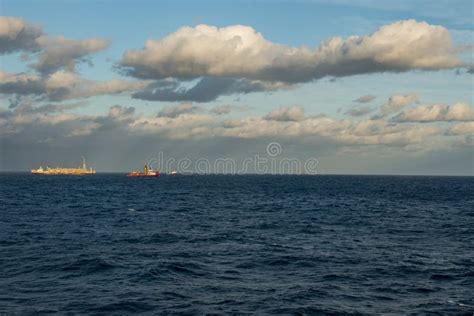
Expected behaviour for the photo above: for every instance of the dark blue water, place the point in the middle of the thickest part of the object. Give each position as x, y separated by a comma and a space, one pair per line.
221, 244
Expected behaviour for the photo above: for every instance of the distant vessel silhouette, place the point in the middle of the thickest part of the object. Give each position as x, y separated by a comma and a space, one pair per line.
80, 171
146, 173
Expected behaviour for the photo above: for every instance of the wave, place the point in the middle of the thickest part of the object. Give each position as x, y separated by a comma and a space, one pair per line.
174, 269
89, 266
124, 306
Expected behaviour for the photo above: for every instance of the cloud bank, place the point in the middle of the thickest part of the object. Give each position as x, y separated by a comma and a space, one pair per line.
187, 121
54, 76
225, 61
241, 52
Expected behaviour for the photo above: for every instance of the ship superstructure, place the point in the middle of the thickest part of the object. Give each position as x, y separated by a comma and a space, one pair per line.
79, 171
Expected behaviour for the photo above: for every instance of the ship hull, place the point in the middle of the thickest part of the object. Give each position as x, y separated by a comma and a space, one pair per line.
140, 175
61, 174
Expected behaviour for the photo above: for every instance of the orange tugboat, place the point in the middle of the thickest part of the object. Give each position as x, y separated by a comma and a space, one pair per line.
146, 173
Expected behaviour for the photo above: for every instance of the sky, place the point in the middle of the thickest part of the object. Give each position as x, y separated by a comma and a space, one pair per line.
360, 87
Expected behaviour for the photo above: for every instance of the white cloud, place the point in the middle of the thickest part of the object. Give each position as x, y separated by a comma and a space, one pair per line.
294, 113
241, 52
184, 126
52, 53
60, 52
437, 112
84, 130
20, 84
462, 129
121, 113
26, 115
60, 79
221, 109
89, 88
411, 136
185, 123
175, 111
63, 85
54, 62
226, 109
397, 102
16, 35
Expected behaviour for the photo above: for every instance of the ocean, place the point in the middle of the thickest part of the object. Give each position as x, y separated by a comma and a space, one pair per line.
222, 244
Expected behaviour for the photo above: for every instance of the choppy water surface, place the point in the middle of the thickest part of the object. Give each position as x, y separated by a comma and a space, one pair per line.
223, 244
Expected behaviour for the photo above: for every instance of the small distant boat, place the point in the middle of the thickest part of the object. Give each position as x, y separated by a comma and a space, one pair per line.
173, 173
146, 173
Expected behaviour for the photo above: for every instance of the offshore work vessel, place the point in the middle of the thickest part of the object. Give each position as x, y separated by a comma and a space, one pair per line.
146, 173
79, 171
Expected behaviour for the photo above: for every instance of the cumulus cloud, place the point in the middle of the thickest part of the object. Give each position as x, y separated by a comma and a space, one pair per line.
60, 52
397, 102
241, 52
62, 85
206, 90
27, 105
226, 109
461, 129
184, 126
390, 135
121, 112
294, 113
221, 109
52, 53
54, 60
29, 117
17, 35
88, 88
230, 60
339, 133
175, 111
21, 84
365, 98
437, 112
185, 122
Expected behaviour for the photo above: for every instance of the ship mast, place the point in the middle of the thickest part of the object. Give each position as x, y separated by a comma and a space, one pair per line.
83, 163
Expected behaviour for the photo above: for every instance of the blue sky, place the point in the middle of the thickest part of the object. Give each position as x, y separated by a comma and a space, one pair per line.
128, 25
